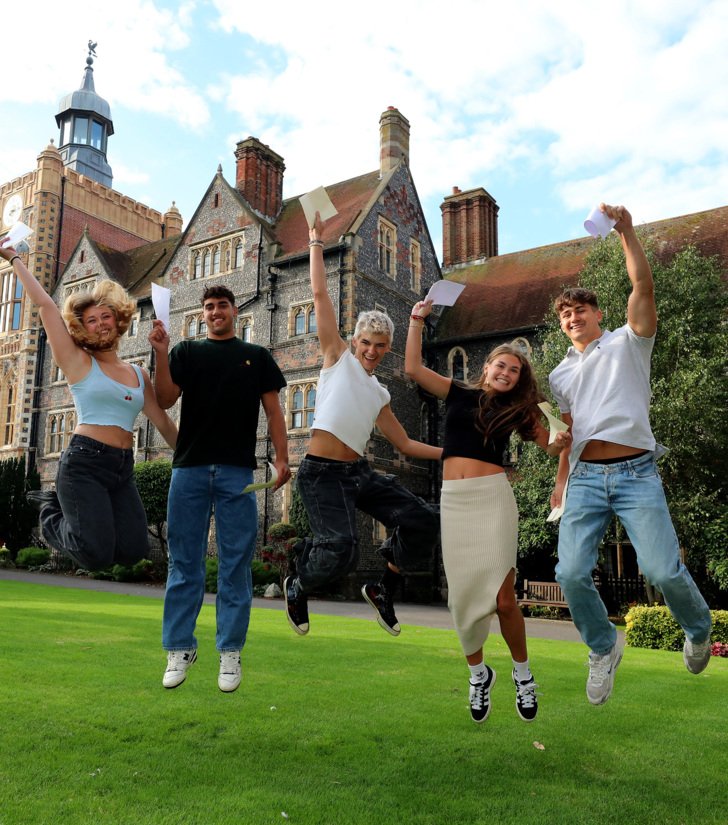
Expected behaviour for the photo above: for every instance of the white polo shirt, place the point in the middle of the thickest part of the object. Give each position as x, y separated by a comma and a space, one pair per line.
606, 389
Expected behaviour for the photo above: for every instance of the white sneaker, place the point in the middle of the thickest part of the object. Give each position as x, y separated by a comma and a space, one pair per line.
601, 675
229, 677
696, 655
178, 661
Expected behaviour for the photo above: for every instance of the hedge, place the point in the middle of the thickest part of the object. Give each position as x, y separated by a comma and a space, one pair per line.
655, 627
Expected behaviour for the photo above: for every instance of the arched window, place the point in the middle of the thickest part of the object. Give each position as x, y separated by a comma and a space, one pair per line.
191, 327
297, 408
387, 245
239, 250
458, 364
53, 437
196, 266
302, 403
202, 329
299, 321
312, 320
216, 261
8, 410
206, 263
245, 327
310, 404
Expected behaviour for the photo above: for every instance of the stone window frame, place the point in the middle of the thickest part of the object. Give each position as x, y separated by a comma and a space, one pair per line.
451, 363
60, 425
387, 246
245, 322
11, 301
134, 322
307, 312
81, 285
8, 408
216, 257
306, 410
200, 328
57, 376
415, 264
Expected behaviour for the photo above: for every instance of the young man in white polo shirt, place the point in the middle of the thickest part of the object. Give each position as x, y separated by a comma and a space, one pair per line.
603, 390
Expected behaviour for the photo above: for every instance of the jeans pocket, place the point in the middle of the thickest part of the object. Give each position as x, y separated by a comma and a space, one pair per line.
644, 469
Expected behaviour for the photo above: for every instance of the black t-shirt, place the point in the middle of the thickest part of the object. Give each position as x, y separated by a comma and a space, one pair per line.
462, 436
221, 383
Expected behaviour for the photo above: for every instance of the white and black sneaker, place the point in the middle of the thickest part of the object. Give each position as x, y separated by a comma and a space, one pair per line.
601, 675
178, 662
380, 598
526, 701
480, 696
230, 673
296, 605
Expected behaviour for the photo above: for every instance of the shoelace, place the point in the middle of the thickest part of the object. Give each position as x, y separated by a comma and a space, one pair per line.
177, 660
229, 663
598, 669
477, 696
527, 693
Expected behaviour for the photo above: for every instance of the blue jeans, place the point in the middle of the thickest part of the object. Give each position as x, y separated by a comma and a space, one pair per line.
98, 518
332, 491
195, 492
631, 490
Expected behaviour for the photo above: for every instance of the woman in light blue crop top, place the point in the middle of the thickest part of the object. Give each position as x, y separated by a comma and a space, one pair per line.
95, 515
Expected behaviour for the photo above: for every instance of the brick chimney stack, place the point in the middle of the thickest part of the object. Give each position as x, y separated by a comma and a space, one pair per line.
469, 227
394, 132
259, 176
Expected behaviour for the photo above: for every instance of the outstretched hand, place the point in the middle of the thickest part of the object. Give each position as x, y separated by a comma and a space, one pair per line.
6, 252
315, 231
619, 214
422, 308
158, 337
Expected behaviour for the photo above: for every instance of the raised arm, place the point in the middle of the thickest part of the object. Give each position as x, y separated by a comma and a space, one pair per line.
641, 310
167, 428
428, 379
66, 353
395, 433
331, 342
277, 430
166, 390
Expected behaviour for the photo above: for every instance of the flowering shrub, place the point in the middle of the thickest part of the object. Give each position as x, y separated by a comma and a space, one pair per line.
719, 649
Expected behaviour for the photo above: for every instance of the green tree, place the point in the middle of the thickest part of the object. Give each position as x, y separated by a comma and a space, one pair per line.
153, 479
17, 516
690, 397
297, 515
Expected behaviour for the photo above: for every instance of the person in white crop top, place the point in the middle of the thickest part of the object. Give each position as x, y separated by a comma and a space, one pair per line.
334, 480
95, 516
603, 390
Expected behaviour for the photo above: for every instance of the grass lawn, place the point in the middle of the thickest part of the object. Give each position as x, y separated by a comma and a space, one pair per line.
346, 725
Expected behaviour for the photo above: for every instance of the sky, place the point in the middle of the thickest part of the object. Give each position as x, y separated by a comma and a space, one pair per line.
551, 107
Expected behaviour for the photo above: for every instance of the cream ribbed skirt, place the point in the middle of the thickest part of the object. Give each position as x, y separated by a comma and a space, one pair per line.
479, 522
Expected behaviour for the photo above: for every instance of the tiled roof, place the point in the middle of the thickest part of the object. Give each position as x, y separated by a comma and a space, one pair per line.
137, 268
514, 291
350, 197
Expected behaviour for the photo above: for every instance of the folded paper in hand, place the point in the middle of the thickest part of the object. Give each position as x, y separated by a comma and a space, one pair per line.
444, 293
556, 425
557, 512
264, 485
317, 201
160, 302
18, 232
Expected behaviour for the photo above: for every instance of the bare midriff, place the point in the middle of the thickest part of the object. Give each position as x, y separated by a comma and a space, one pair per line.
597, 450
327, 445
107, 434
455, 468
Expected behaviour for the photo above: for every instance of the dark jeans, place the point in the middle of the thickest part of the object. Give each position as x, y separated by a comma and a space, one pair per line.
332, 492
98, 519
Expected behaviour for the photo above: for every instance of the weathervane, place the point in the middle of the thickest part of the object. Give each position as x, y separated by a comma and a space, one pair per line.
91, 52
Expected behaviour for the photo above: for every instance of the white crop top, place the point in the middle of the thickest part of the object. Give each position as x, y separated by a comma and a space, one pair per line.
348, 402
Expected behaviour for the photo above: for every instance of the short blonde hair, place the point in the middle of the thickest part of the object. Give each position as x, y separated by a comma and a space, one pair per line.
375, 322
106, 293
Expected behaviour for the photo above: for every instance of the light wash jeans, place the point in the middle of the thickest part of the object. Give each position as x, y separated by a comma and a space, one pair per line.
195, 492
631, 490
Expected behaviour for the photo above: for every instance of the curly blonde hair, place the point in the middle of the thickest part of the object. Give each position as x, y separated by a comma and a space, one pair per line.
106, 293
374, 322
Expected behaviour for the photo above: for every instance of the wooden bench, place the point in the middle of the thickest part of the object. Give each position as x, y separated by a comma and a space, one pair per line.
547, 594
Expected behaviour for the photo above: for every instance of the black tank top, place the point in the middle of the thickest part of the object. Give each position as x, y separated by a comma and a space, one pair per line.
462, 436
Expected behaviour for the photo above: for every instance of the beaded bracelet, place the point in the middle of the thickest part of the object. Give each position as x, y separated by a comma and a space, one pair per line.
316, 243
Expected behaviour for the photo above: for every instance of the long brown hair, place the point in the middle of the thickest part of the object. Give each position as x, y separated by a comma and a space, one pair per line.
501, 413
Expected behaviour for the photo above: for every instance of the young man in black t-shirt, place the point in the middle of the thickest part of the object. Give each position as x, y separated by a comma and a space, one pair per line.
223, 382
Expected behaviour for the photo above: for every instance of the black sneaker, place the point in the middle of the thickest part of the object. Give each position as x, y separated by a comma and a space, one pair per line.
480, 696
381, 600
296, 605
526, 701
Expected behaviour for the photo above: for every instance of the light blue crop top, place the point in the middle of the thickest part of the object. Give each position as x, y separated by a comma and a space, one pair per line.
101, 400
